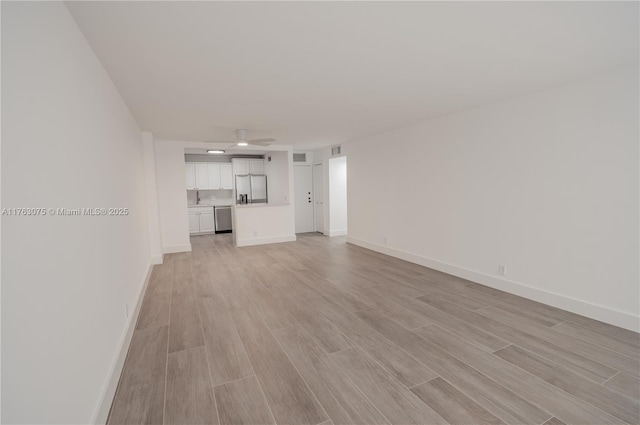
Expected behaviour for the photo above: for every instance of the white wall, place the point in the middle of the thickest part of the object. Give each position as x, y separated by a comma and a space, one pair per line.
172, 196
337, 196
151, 190
278, 179
546, 184
68, 141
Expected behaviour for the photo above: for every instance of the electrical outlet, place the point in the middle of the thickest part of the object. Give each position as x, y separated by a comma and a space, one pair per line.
255, 233
384, 240
502, 269
126, 311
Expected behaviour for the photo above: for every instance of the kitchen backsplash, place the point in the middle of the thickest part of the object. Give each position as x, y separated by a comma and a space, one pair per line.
206, 195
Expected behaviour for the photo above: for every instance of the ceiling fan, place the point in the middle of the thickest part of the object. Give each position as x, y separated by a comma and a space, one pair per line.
243, 140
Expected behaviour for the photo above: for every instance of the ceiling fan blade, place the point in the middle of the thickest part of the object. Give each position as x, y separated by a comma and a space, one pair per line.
261, 142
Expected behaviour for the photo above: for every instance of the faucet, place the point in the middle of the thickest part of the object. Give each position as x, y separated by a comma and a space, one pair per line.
197, 197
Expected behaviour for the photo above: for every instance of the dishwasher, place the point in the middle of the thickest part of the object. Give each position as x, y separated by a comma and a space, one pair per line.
222, 219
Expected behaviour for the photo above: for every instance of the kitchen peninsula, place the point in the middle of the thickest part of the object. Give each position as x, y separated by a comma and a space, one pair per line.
258, 224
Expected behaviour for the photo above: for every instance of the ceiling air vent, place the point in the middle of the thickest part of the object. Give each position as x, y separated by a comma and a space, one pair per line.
299, 157
335, 150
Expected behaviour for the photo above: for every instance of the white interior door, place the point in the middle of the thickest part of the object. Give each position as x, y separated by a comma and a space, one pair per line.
318, 194
303, 187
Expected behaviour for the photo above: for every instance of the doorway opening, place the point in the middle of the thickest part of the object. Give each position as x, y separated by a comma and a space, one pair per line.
321, 197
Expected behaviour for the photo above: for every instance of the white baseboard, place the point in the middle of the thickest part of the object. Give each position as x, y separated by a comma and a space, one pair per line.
176, 248
337, 233
583, 308
264, 241
157, 259
109, 390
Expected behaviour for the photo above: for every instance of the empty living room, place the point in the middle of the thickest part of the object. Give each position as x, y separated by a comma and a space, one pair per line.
320, 212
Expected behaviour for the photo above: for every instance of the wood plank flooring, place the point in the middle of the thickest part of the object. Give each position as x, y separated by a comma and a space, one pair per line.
322, 332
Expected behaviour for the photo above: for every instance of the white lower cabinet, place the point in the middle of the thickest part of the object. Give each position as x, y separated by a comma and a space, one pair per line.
201, 220
194, 225
206, 222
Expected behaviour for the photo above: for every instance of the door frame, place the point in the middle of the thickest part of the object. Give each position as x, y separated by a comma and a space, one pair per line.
322, 183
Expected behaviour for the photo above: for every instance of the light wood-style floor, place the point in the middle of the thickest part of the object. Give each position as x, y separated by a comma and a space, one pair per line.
319, 332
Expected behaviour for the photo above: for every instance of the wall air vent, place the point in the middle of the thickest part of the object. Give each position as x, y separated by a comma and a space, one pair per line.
299, 157
335, 150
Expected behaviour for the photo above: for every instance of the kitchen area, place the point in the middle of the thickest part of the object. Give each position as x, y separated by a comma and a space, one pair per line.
215, 183
241, 196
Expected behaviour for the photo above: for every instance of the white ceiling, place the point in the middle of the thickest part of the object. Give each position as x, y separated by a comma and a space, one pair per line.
319, 73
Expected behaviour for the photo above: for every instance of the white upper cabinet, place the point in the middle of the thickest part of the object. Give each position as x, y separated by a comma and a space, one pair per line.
209, 176
240, 166
214, 176
226, 176
256, 166
202, 176
190, 176
247, 166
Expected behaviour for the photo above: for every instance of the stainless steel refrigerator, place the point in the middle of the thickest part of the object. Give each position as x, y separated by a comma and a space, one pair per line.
251, 189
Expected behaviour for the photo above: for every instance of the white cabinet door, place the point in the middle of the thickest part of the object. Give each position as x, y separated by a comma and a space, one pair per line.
226, 176
240, 166
214, 176
202, 176
190, 176
206, 222
256, 166
194, 225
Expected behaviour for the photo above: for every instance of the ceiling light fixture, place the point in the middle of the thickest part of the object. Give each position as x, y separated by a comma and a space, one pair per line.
243, 144
217, 151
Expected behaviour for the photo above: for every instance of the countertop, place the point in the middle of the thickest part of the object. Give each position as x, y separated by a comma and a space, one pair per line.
217, 203
262, 205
